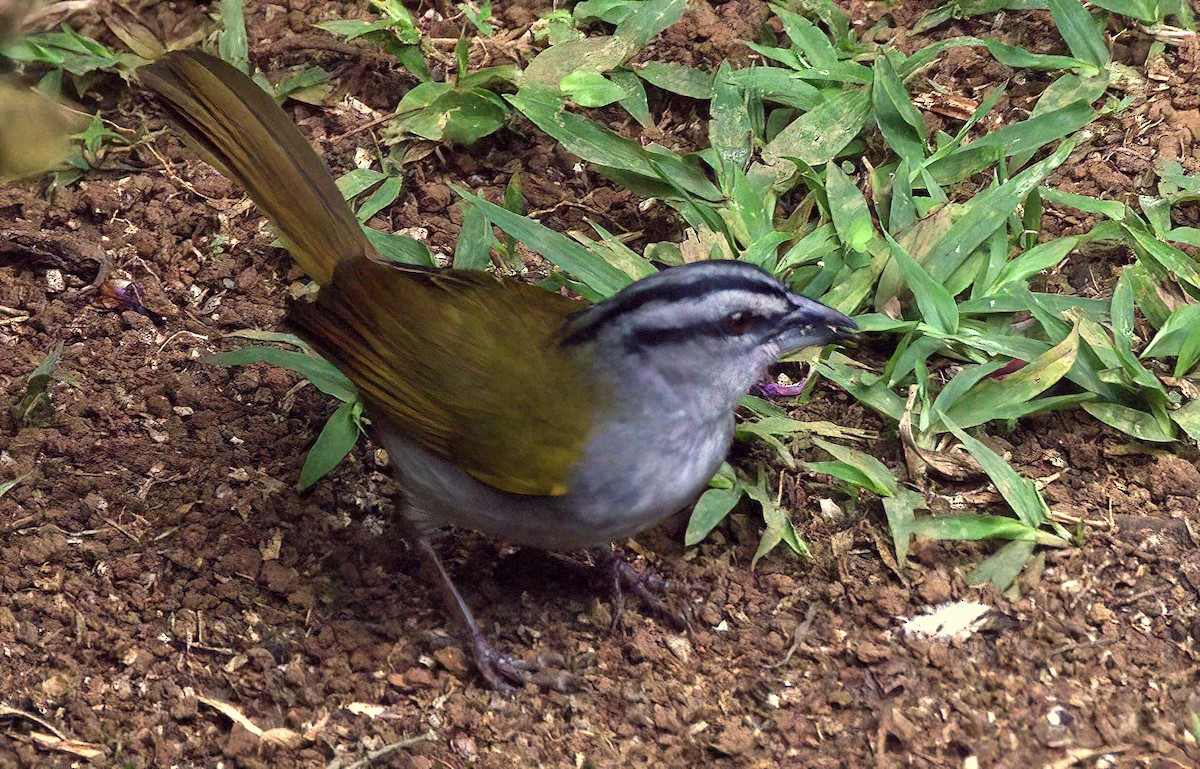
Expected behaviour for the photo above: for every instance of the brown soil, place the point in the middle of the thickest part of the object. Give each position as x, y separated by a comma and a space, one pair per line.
157, 558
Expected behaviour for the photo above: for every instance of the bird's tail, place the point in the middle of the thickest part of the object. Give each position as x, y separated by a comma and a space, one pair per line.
238, 128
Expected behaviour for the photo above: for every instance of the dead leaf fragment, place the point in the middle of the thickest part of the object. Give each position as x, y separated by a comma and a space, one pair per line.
280, 736
74, 747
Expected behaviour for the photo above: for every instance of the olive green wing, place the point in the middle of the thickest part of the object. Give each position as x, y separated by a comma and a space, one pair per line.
465, 364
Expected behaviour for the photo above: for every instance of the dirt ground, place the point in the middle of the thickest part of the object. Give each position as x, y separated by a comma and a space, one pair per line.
166, 593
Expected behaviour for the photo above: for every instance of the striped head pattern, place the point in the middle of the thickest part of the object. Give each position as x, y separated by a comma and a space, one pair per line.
713, 326
725, 303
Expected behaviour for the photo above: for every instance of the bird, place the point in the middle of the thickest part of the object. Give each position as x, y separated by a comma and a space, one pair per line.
537, 419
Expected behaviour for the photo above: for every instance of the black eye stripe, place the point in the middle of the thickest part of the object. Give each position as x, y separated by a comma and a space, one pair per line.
641, 338
589, 323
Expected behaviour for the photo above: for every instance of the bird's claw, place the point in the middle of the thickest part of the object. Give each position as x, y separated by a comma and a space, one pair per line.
508, 674
647, 586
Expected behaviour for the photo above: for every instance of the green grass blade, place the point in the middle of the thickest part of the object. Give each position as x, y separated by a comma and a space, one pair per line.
879, 478
901, 514
598, 274
935, 302
1080, 32
991, 398
677, 78
901, 123
729, 130
779, 85
989, 211
647, 21
713, 507
1020, 493
231, 44
1020, 138
848, 210
472, 252
1043, 256
1004, 566
1139, 424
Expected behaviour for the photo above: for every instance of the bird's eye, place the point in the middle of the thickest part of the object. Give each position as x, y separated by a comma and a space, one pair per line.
738, 322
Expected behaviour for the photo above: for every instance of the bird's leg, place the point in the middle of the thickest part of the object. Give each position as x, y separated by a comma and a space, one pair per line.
645, 585
501, 671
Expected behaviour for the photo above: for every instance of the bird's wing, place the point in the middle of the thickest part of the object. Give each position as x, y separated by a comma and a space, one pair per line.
465, 364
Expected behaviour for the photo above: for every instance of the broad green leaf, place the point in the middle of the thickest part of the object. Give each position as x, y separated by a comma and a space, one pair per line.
1019, 138
384, 196
778, 524
729, 129
813, 247
353, 28
963, 381
1188, 418
1172, 260
848, 209
399, 248
620, 255
647, 21
1043, 256
1189, 352
1004, 566
988, 212
1122, 336
593, 54
1009, 55
474, 240
1109, 208
590, 89
336, 440
356, 182
776, 84
487, 76
901, 513
459, 117
677, 78
319, 371
900, 122
634, 101
879, 478
597, 144
821, 134
232, 43
863, 385
1170, 338
1020, 493
973, 528
712, 508
609, 11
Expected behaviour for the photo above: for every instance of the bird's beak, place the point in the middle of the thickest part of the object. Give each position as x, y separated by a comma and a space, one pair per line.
812, 324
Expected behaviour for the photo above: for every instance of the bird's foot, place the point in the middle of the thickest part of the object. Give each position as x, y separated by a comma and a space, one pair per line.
502, 672
649, 587
507, 674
